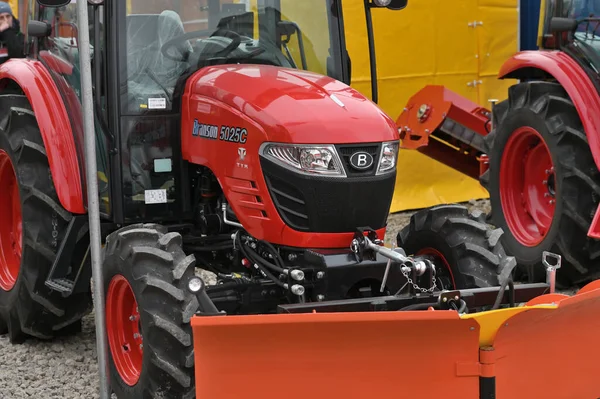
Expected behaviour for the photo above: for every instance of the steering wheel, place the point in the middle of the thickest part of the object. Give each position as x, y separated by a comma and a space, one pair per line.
74, 33
236, 39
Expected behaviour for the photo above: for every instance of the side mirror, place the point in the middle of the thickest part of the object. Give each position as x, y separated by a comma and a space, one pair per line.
397, 4
391, 4
558, 24
53, 3
38, 29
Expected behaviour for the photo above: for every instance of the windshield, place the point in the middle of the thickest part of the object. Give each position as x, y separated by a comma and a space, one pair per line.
166, 40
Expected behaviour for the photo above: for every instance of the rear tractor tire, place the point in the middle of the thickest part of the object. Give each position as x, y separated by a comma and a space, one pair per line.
148, 312
544, 185
32, 226
466, 251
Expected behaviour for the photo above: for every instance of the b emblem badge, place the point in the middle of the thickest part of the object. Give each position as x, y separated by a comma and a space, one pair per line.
361, 160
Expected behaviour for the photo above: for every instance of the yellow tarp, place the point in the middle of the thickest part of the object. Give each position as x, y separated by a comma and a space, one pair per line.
433, 42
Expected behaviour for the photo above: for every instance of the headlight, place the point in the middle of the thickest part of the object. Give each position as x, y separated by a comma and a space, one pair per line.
309, 159
388, 157
382, 3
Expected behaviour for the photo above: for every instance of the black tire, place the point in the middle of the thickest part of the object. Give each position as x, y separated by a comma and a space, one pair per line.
30, 308
471, 248
546, 107
158, 271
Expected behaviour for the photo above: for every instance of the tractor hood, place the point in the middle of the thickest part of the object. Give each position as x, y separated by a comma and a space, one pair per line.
293, 105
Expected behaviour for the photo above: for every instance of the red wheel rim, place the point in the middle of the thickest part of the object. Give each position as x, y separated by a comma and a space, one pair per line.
11, 224
437, 259
123, 331
527, 186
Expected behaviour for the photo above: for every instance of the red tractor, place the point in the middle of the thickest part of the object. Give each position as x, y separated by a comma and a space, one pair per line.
540, 152
219, 148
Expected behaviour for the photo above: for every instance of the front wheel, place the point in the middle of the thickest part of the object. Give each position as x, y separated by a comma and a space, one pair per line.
466, 251
148, 312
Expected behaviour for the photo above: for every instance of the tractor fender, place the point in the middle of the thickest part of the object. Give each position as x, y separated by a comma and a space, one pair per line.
53, 120
572, 77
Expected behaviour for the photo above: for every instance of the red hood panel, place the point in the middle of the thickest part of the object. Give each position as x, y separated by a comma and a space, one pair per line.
295, 106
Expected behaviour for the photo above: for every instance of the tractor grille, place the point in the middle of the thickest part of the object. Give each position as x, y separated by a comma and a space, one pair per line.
346, 151
329, 205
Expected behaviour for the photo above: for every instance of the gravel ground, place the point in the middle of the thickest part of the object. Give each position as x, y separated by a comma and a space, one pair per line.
66, 368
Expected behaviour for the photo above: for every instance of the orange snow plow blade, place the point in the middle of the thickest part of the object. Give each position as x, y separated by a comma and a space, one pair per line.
334, 355
541, 350
551, 353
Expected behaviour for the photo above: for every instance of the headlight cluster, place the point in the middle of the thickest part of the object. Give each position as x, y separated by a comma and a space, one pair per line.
323, 159
309, 159
389, 155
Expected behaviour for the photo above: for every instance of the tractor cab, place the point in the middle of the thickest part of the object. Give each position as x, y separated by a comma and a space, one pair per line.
573, 26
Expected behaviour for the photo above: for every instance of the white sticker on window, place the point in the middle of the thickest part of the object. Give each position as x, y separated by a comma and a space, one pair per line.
163, 165
157, 103
155, 196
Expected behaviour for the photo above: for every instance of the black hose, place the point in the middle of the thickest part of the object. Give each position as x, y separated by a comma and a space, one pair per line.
255, 257
259, 259
269, 275
262, 268
511, 285
275, 254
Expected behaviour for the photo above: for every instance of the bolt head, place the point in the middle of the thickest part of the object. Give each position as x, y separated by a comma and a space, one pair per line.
320, 275
422, 110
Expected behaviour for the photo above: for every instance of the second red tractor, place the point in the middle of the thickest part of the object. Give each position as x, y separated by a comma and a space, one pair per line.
539, 154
